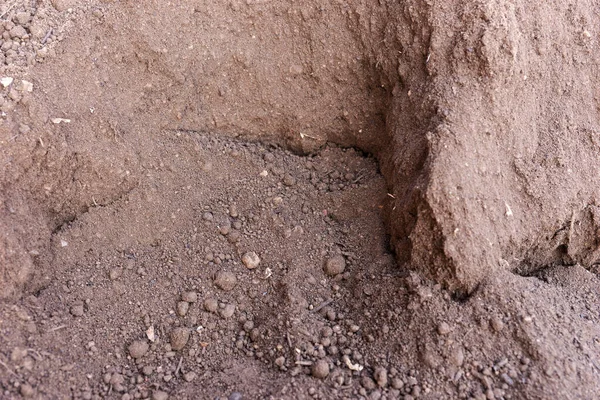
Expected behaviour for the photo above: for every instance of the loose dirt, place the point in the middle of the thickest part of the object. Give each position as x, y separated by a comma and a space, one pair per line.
243, 200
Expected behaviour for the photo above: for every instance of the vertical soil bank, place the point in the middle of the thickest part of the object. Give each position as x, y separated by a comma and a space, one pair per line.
484, 116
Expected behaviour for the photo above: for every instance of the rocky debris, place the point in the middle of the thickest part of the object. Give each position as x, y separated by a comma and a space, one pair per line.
381, 376
182, 308
211, 305
320, 369
227, 311
251, 260
138, 348
179, 338
77, 310
225, 280
27, 390
115, 273
335, 265
190, 297
443, 328
159, 395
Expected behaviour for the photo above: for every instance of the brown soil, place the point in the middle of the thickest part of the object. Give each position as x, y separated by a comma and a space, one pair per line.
417, 182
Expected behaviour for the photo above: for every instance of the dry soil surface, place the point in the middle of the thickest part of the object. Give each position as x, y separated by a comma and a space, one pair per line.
181, 219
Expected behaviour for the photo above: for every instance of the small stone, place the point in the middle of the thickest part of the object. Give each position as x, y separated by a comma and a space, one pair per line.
397, 383
17, 354
320, 369
211, 305
179, 338
367, 383
497, 324
26, 390
23, 17
251, 260
18, 32
6, 81
235, 396
207, 216
115, 273
182, 308
335, 265
24, 129
159, 395
190, 297
457, 356
234, 237
233, 211
381, 376
296, 69
227, 311
190, 376
443, 328
225, 280
280, 361
138, 348
289, 180
77, 310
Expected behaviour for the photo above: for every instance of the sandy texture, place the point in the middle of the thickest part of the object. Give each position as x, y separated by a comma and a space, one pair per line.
133, 184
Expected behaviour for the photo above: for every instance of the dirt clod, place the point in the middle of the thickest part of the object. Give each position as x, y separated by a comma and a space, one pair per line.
190, 297
159, 395
225, 280
251, 260
211, 305
138, 348
179, 338
320, 369
335, 265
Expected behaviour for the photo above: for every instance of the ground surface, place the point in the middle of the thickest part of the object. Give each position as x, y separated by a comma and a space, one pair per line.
147, 168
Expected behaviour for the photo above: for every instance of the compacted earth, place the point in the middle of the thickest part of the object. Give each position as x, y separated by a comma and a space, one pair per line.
245, 232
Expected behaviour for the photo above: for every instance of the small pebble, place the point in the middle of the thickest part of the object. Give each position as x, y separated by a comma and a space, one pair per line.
211, 305
235, 396
497, 324
182, 308
190, 297
335, 265
227, 311
138, 348
251, 260
190, 376
320, 369
367, 383
179, 338
443, 328
381, 376
225, 280
77, 310
26, 390
159, 395
115, 273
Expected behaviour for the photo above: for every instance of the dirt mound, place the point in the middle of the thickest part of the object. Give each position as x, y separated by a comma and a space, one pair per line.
482, 115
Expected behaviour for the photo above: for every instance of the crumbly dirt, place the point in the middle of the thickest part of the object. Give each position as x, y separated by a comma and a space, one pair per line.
256, 199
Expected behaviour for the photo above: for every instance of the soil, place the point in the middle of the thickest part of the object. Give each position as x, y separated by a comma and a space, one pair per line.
256, 199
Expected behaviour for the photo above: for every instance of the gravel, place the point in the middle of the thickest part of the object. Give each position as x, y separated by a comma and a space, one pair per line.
138, 348
179, 338
190, 297
335, 265
225, 280
320, 369
251, 260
